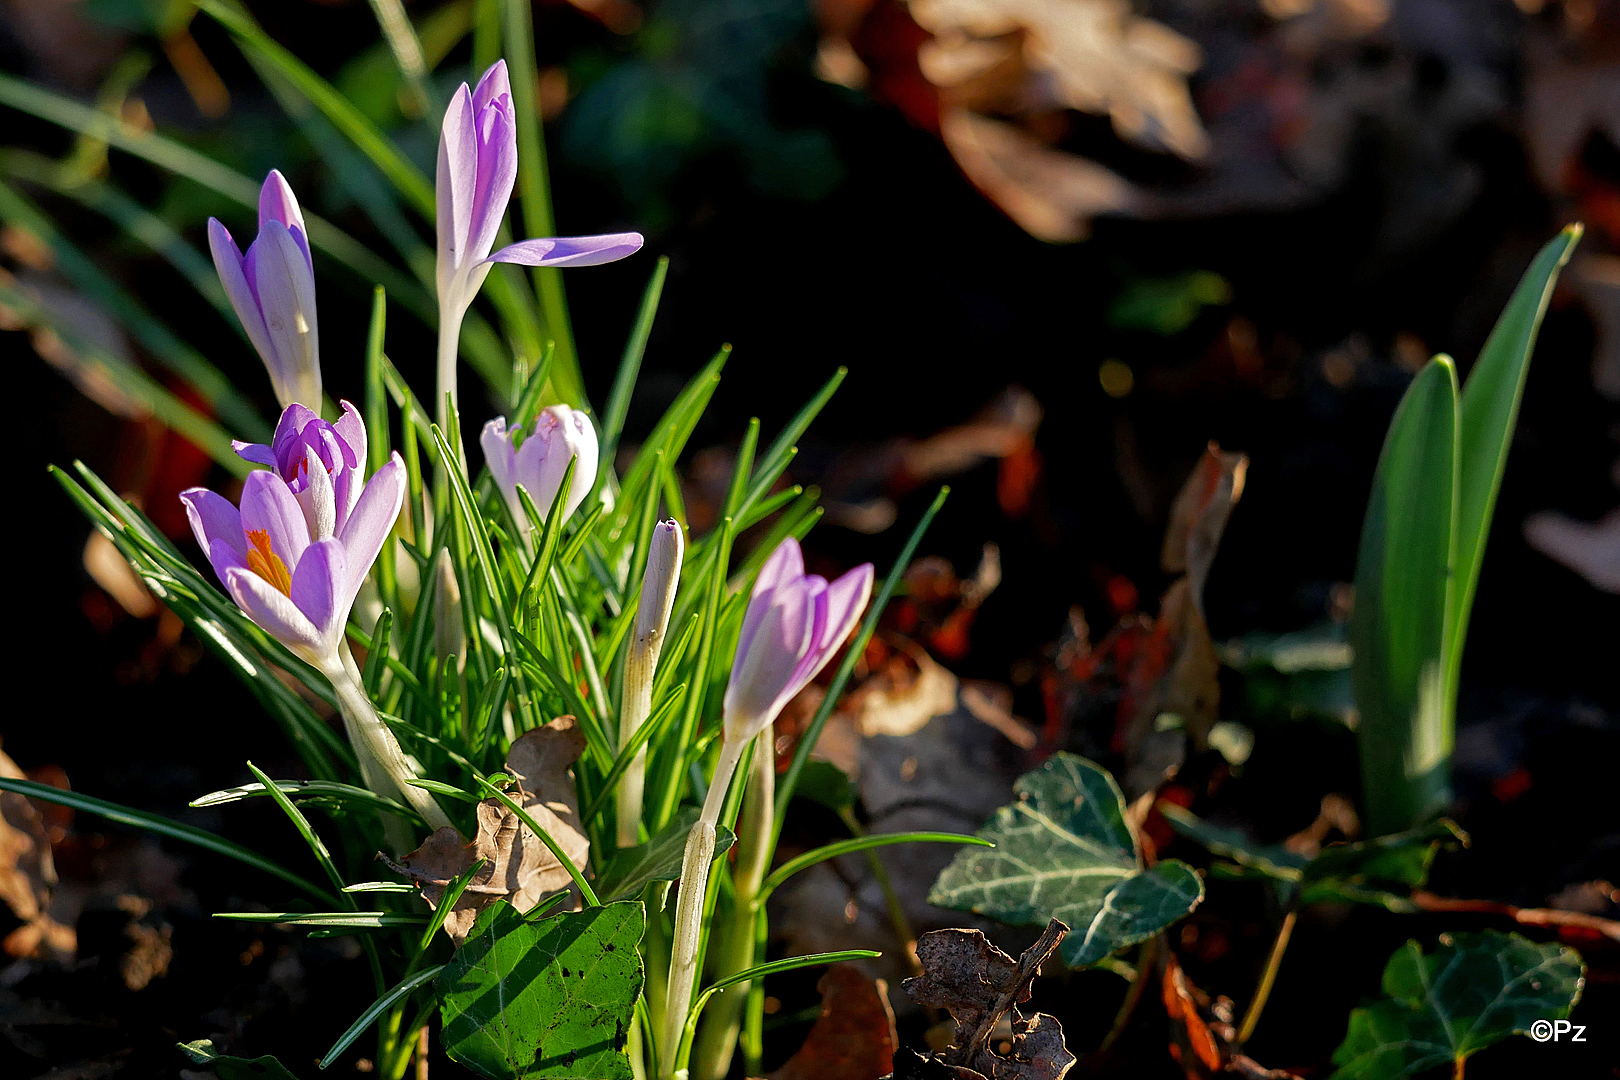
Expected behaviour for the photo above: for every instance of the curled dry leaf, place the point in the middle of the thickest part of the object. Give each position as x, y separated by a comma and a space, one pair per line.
518, 867
27, 875
978, 984
853, 1038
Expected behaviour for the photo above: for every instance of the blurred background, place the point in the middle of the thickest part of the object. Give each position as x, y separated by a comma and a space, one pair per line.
1061, 245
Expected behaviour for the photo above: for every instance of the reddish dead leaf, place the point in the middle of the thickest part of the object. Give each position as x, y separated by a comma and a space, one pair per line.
517, 865
853, 1038
1191, 1041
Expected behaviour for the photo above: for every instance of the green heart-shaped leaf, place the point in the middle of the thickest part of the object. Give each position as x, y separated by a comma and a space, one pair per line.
1475, 990
551, 998
1064, 851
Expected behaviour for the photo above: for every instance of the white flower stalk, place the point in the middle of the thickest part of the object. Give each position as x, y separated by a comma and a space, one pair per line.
641, 663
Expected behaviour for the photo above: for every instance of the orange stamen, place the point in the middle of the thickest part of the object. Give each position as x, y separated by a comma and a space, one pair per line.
266, 563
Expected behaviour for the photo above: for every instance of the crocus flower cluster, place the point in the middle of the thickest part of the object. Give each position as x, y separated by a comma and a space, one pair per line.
539, 461
272, 290
294, 554
476, 172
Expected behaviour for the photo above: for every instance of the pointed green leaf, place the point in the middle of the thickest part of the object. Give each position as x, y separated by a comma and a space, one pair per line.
1064, 851
227, 1067
1475, 990
1403, 583
552, 998
1489, 409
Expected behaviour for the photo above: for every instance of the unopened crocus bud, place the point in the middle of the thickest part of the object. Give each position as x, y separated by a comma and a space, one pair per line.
794, 624
560, 434
272, 290
477, 168
641, 663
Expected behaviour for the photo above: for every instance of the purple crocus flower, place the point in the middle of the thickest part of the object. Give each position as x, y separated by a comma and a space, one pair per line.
794, 624
477, 168
272, 290
294, 554
560, 434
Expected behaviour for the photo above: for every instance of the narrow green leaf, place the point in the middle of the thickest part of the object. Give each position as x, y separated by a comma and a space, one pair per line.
631, 870
227, 1067
862, 843
1403, 590
1488, 412
353, 920
162, 826
624, 383
402, 990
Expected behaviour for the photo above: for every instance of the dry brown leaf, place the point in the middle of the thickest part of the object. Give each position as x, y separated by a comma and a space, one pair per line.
853, 1038
1050, 194
27, 875
1096, 56
518, 867
910, 690
978, 985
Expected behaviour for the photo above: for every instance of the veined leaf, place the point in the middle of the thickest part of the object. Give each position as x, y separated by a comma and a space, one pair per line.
1403, 593
1064, 851
1475, 990
552, 998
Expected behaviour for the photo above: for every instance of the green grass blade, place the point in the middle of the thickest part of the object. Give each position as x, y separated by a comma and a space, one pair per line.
1489, 410
162, 826
1403, 587
624, 383
781, 452
860, 843
403, 990
786, 785
307, 789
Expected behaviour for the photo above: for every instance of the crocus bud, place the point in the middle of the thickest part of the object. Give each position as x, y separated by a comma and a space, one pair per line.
560, 434
641, 663
294, 573
794, 624
272, 291
323, 464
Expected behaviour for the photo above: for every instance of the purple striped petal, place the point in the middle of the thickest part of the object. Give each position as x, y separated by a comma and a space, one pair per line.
233, 276
457, 178
278, 203
785, 564
224, 559
760, 674
571, 250
319, 589
846, 599
286, 291
494, 83
496, 134
275, 613
267, 504
256, 452
212, 517
351, 432
496, 442
371, 520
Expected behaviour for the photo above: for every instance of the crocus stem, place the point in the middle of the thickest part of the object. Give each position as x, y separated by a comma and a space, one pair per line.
382, 762
717, 1036
637, 706
450, 317
683, 958
1252, 1017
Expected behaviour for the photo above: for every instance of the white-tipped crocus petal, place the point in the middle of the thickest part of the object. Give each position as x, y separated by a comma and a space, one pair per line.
496, 442
496, 132
457, 178
369, 523
228, 263
351, 432
317, 500
286, 291
268, 506
571, 250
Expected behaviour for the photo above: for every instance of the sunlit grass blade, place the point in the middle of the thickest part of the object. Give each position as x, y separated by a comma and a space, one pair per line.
654, 725
162, 826
1403, 587
557, 852
446, 904
759, 972
786, 785
307, 789
781, 451
624, 383
860, 843
1488, 412
402, 990
183, 161
354, 920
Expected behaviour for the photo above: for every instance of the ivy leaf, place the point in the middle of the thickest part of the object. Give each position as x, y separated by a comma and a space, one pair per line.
226, 1067
1063, 851
659, 859
1475, 990
550, 999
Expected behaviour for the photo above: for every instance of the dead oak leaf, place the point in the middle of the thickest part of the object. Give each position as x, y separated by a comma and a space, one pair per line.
517, 865
853, 1038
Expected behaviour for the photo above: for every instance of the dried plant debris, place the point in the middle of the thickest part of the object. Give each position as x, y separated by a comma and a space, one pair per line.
978, 985
853, 1038
28, 877
518, 867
